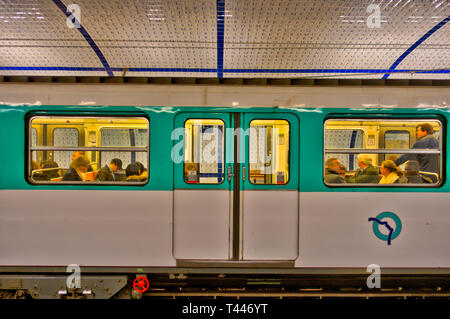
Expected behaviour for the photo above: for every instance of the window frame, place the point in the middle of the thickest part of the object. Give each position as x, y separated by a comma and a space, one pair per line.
30, 150
288, 156
441, 153
223, 151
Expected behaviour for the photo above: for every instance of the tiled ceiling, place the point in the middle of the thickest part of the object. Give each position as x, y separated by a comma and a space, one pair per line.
227, 38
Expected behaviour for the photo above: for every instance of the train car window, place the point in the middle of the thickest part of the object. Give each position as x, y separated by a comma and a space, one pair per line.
204, 151
88, 150
269, 152
398, 153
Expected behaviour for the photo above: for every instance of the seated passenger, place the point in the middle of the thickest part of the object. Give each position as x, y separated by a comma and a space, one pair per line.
342, 170
79, 153
108, 172
48, 173
391, 173
366, 173
332, 171
412, 173
34, 165
78, 168
136, 172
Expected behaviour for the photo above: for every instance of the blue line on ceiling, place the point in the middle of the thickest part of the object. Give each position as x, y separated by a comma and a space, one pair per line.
416, 44
329, 71
195, 70
199, 70
52, 68
220, 36
86, 35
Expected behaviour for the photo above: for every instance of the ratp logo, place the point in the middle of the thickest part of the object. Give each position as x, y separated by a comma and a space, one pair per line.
392, 230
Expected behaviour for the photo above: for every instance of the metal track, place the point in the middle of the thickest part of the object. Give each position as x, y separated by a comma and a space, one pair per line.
238, 293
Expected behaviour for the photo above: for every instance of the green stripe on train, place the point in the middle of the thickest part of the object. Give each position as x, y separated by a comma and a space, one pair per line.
13, 127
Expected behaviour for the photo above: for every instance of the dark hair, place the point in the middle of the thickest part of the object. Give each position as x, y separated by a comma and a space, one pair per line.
426, 127
117, 162
50, 173
135, 168
49, 164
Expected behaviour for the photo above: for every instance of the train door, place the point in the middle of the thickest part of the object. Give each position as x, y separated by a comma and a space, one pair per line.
269, 191
202, 205
236, 186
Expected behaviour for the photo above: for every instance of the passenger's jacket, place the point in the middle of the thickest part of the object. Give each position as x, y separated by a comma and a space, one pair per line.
333, 177
368, 175
105, 174
71, 175
427, 162
138, 178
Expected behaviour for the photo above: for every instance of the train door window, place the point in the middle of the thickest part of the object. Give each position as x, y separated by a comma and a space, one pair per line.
409, 154
269, 152
98, 150
396, 140
204, 151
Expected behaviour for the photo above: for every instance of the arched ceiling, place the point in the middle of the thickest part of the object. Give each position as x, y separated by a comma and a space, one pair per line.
409, 39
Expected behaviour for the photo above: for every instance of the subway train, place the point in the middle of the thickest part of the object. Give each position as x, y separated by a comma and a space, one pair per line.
223, 198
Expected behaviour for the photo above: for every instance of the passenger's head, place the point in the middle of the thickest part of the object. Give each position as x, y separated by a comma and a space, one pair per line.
50, 164
364, 160
424, 129
115, 164
77, 154
34, 165
80, 163
387, 167
135, 168
333, 164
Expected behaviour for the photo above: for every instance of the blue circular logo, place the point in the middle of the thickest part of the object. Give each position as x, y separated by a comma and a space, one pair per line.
394, 230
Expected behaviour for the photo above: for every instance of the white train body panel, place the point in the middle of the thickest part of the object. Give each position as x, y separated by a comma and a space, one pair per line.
335, 231
85, 227
270, 225
201, 224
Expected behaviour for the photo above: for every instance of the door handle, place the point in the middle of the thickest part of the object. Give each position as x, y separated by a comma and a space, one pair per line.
244, 172
229, 174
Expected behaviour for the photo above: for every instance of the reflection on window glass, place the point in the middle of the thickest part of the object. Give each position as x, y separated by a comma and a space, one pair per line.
69, 150
204, 151
384, 155
269, 152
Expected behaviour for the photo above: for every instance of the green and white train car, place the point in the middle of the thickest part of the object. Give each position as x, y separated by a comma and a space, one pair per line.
224, 191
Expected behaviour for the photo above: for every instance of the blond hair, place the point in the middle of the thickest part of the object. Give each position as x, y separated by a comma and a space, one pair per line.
366, 159
392, 167
82, 160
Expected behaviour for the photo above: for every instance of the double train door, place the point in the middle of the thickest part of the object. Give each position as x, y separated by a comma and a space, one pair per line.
236, 194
